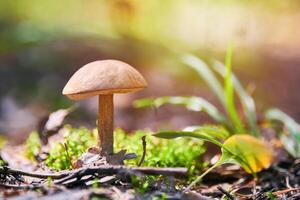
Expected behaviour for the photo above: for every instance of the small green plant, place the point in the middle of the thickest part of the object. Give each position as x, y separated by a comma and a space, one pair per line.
236, 144
143, 183
271, 196
2, 141
225, 94
96, 183
49, 181
76, 142
289, 134
33, 145
182, 152
244, 150
2, 163
161, 153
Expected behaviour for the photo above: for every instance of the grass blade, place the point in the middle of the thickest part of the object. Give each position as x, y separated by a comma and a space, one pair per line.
291, 142
196, 134
246, 100
213, 130
229, 93
191, 103
207, 75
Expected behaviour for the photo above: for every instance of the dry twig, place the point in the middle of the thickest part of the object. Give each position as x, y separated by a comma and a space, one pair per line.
144, 151
227, 194
105, 169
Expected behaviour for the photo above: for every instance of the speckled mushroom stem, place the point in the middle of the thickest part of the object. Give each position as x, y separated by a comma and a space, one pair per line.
106, 123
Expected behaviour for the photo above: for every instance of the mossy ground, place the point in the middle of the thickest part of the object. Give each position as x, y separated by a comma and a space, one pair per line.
159, 152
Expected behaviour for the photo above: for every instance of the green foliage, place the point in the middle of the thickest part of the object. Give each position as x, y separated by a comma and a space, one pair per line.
229, 94
49, 181
271, 196
143, 183
2, 162
290, 136
159, 153
245, 150
33, 145
246, 100
237, 148
217, 132
225, 95
2, 141
197, 133
206, 74
76, 142
183, 152
196, 104
96, 183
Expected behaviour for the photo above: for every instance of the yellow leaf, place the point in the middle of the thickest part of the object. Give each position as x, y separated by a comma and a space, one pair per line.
251, 153
2, 141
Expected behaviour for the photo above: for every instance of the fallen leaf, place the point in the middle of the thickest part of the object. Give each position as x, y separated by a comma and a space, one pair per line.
249, 152
51, 124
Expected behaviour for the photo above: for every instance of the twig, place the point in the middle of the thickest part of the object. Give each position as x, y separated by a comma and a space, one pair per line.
20, 187
144, 151
227, 194
105, 169
68, 155
295, 196
285, 191
287, 182
8, 170
77, 176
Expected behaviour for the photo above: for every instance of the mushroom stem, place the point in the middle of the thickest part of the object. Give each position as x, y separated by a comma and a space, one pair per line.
106, 123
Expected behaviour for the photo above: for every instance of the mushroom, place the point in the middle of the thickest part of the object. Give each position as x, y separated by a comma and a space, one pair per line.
104, 78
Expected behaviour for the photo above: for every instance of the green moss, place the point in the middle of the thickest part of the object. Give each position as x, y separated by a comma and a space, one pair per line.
160, 153
2, 163
33, 145
76, 142
2, 144
183, 152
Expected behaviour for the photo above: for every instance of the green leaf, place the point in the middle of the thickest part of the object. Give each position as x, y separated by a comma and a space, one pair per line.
184, 152
3, 141
246, 100
292, 141
244, 150
191, 103
218, 132
196, 134
229, 94
207, 75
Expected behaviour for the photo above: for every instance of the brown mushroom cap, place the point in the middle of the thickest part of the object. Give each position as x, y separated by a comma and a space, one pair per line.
103, 77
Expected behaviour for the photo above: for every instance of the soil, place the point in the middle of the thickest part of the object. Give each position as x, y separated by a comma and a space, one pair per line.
280, 181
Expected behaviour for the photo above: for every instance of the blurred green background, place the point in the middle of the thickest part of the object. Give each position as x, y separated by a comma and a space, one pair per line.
42, 43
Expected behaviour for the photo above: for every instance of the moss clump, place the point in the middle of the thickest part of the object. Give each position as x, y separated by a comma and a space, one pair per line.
33, 145
76, 142
182, 152
160, 153
2, 163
